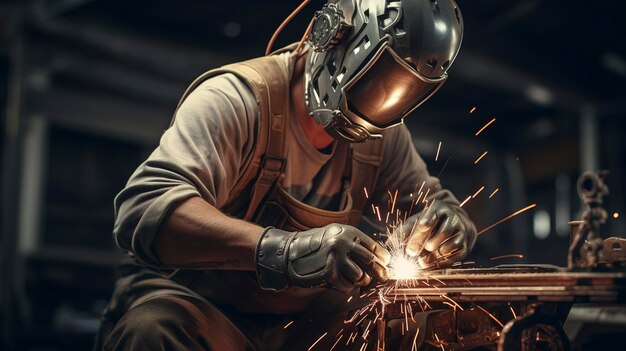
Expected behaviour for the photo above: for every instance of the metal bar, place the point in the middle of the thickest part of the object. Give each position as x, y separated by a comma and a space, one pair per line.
165, 60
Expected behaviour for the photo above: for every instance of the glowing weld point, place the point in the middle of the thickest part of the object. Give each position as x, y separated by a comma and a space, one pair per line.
615, 215
403, 267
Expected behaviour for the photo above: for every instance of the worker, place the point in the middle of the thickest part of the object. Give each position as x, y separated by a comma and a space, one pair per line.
242, 224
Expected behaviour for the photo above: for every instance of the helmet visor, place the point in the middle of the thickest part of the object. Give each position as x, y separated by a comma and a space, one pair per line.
388, 89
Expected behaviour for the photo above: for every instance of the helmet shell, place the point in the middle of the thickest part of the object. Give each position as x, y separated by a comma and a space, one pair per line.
426, 33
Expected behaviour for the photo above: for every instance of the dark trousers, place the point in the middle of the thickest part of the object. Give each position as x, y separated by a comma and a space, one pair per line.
158, 314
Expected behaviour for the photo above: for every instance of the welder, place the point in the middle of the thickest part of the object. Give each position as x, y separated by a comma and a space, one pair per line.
241, 226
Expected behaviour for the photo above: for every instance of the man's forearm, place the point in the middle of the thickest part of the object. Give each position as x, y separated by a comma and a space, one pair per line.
196, 235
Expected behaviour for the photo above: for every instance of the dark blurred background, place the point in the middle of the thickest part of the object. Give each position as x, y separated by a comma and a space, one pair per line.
88, 86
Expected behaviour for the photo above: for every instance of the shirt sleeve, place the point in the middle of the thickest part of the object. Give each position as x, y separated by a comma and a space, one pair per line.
404, 184
201, 154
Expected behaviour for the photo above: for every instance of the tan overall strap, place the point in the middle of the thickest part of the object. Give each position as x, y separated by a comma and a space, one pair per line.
268, 79
272, 84
366, 161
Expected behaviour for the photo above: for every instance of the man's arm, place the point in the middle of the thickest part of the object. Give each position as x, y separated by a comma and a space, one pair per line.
167, 215
195, 234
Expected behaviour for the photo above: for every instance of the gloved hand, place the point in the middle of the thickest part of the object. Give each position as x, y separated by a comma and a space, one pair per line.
336, 256
439, 235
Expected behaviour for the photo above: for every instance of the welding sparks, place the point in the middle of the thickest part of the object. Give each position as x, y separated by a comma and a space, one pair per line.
513, 312
455, 304
507, 256
616, 215
507, 218
494, 192
478, 192
336, 342
473, 110
318, 340
481, 157
438, 150
491, 316
444, 167
365, 191
439, 342
426, 196
288, 325
414, 347
485, 127
466, 200
393, 203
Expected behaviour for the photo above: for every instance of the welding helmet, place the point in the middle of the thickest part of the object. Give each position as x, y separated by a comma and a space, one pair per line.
374, 61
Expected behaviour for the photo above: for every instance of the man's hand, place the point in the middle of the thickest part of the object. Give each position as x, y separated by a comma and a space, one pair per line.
439, 236
336, 256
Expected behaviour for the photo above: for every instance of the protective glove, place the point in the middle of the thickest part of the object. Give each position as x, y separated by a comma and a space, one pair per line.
336, 256
440, 235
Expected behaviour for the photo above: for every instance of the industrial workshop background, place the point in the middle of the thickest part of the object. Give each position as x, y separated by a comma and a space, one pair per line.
88, 86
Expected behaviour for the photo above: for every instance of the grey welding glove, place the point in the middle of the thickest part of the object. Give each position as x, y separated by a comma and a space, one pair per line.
439, 235
336, 256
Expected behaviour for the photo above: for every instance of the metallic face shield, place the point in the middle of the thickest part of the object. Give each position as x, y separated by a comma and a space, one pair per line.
386, 90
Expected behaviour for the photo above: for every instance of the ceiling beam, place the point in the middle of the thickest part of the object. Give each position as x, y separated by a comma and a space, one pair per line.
174, 61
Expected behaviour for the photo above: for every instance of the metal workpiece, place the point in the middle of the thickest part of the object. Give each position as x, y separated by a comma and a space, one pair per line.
508, 307
587, 250
510, 283
463, 309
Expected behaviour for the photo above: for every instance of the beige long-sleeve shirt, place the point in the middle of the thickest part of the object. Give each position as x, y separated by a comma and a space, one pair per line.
206, 151
209, 145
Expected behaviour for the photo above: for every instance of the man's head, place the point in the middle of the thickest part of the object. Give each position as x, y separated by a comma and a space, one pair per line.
375, 61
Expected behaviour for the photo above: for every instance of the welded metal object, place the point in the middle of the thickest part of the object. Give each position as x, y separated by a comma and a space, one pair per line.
614, 251
514, 283
510, 307
587, 249
524, 333
484, 307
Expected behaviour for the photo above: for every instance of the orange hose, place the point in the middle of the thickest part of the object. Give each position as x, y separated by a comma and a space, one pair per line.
280, 28
305, 36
